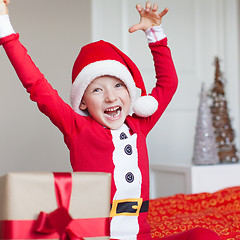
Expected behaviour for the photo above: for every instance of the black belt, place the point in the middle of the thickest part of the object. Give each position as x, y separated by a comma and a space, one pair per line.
129, 207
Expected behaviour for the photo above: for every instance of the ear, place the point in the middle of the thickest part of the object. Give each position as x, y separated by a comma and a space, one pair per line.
83, 105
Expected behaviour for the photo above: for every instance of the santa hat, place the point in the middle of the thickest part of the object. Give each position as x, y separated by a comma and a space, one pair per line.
102, 58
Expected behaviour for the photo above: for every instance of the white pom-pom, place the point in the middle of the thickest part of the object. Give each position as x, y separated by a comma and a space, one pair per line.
145, 106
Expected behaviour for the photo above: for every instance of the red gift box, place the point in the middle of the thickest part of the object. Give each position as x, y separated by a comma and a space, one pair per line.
66, 206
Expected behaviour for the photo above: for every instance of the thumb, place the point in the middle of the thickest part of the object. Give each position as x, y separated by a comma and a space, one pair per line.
6, 1
3, 7
135, 28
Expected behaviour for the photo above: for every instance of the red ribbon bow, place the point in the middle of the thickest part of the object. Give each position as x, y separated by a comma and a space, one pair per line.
59, 221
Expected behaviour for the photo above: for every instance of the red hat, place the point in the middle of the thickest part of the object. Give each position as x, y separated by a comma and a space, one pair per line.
102, 58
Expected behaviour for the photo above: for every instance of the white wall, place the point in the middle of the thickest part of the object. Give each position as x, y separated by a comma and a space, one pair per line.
53, 32
198, 30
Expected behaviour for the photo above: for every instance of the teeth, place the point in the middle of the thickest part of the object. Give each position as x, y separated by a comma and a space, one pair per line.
112, 109
113, 112
117, 114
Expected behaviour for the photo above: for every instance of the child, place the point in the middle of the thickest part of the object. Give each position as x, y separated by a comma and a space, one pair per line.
98, 130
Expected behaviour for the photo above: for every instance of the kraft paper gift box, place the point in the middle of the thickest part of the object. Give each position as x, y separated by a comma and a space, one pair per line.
55, 205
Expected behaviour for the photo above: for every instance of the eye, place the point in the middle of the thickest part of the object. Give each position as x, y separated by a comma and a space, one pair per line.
119, 85
96, 90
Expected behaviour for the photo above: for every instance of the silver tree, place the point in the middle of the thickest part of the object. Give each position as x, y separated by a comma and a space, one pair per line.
205, 148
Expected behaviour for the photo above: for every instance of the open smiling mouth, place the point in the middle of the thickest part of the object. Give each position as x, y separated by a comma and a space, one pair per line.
113, 112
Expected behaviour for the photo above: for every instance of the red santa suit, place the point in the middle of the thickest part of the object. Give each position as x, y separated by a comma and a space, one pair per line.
93, 147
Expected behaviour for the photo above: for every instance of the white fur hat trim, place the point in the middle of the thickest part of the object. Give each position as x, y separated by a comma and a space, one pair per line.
145, 106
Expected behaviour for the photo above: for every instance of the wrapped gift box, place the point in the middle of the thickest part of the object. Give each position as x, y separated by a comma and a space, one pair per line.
55, 205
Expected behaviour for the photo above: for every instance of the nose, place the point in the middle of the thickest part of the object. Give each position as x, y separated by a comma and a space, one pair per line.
110, 96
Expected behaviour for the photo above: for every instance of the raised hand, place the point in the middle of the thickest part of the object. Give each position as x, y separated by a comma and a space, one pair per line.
3, 7
149, 17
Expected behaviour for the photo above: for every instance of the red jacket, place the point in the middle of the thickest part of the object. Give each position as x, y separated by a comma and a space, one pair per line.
90, 144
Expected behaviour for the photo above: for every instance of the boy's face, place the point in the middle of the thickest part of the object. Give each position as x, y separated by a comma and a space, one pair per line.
107, 101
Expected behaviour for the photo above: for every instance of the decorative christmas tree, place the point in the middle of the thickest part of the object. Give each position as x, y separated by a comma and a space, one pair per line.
224, 133
205, 149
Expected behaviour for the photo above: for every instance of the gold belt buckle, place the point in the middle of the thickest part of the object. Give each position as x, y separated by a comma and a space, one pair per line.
115, 203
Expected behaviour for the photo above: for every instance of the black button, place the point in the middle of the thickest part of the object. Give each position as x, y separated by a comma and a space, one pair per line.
129, 177
123, 136
128, 149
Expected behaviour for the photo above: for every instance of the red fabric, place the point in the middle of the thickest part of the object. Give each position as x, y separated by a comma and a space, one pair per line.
219, 212
197, 233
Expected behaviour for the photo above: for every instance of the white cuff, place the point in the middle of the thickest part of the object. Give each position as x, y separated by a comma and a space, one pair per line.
6, 28
155, 34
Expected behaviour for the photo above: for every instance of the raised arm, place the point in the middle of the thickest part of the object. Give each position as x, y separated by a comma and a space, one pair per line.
47, 99
166, 85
